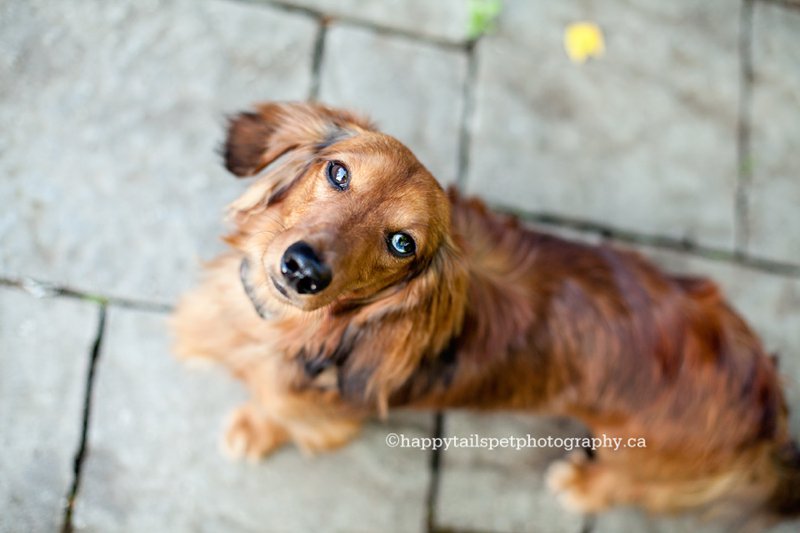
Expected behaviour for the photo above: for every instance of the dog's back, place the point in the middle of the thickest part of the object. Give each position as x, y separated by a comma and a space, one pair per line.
635, 352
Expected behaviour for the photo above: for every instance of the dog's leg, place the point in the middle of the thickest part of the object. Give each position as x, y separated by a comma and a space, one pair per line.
251, 434
618, 477
321, 431
256, 429
584, 485
658, 483
216, 323
314, 419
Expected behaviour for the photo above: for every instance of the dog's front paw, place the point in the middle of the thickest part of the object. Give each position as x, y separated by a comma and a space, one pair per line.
575, 481
250, 435
325, 435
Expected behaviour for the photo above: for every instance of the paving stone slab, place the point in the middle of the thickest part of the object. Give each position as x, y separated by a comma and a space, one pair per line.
111, 113
503, 489
446, 20
412, 90
45, 349
634, 520
774, 210
643, 138
154, 463
624, 520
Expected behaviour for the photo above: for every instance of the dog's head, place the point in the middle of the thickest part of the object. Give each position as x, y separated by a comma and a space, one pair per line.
340, 214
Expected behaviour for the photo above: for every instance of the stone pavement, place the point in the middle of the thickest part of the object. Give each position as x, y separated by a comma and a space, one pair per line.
679, 141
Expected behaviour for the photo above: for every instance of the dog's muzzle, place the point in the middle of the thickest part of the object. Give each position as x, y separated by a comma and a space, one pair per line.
244, 275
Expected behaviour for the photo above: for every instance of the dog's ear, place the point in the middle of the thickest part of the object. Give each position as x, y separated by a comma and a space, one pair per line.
257, 138
416, 323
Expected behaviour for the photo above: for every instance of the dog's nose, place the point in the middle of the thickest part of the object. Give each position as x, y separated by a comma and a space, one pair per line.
304, 270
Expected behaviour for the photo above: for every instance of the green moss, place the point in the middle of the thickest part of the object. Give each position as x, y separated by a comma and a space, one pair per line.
482, 14
95, 298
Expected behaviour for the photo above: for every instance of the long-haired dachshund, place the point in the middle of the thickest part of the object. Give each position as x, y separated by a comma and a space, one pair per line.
356, 284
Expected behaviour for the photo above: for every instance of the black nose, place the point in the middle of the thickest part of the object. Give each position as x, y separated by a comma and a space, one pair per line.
304, 270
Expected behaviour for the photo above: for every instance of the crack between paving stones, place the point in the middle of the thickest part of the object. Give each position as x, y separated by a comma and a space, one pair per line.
316, 59
467, 115
656, 241
45, 289
433, 487
788, 4
744, 178
361, 23
446, 529
589, 522
80, 456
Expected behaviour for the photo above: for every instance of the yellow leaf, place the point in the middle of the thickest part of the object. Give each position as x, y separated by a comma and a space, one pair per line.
583, 40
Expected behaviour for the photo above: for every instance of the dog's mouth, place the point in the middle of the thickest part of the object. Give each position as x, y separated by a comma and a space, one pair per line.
347, 304
250, 291
244, 276
278, 286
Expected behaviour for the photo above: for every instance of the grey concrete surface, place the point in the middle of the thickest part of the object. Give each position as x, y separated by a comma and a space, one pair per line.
154, 462
412, 89
643, 138
775, 159
633, 520
110, 115
117, 110
45, 348
442, 20
501, 489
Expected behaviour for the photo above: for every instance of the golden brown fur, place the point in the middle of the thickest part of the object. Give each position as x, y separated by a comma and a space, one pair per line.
486, 315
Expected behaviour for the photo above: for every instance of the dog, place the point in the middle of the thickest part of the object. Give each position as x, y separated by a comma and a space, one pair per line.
355, 284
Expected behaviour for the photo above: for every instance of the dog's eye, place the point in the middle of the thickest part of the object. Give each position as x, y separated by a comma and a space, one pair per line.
401, 244
338, 175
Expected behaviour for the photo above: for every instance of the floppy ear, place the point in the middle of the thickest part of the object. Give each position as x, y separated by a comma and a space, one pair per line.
407, 328
257, 138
